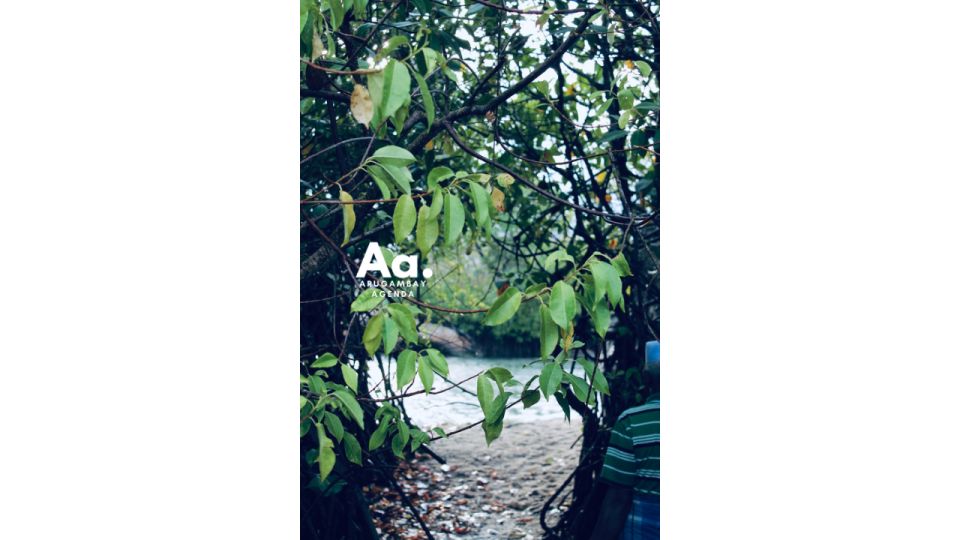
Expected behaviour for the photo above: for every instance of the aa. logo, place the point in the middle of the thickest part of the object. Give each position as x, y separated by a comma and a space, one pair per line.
374, 261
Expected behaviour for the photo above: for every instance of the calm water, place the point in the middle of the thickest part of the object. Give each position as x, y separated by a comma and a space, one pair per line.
455, 407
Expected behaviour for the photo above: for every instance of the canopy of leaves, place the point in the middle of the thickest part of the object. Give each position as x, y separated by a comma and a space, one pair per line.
514, 147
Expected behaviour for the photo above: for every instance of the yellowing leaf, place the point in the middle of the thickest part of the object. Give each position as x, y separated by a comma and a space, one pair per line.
497, 197
349, 217
361, 106
601, 177
429, 145
628, 64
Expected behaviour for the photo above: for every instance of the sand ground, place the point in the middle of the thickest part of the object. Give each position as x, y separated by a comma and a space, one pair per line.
485, 492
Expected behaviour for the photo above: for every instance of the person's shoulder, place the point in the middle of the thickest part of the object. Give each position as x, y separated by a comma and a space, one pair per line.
650, 405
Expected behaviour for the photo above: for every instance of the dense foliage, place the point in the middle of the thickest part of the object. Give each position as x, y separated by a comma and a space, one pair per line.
519, 137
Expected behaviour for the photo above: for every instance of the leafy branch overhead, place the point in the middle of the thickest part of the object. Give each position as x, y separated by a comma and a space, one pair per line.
521, 139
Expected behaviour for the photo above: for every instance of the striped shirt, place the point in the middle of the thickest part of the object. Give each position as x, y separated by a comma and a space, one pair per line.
633, 457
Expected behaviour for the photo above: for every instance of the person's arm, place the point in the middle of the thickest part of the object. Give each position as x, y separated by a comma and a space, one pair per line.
613, 512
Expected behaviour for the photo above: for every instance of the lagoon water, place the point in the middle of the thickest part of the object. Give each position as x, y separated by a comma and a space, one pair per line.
455, 408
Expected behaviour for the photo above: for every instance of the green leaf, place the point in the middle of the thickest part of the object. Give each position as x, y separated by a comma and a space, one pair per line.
393, 155
351, 448
529, 398
534, 289
397, 446
562, 400
644, 67
481, 203
552, 262
492, 431
436, 205
349, 376
336, 13
350, 403
601, 319
316, 385
484, 394
305, 6
326, 360
403, 431
620, 264
431, 58
349, 217
611, 281
613, 135
428, 230
419, 438
426, 374
405, 321
366, 300
438, 361
390, 88
606, 105
427, 98
549, 333
327, 459
580, 387
379, 435
406, 368
404, 218
453, 218
550, 377
440, 432
499, 374
601, 280
400, 175
562, 304
499, 406
372, 334
503, 308
390, 46
333, 425
599, 380
493, 418
437, 175
382, 178
390, 335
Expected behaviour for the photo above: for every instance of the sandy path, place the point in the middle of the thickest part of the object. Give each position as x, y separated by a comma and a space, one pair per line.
482, 492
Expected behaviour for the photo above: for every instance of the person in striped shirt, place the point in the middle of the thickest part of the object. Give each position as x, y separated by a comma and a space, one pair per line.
631, 466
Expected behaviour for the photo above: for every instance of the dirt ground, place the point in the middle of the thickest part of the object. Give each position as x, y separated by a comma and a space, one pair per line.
481, 492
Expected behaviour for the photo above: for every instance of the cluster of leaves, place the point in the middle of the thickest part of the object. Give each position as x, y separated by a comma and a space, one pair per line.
401, 80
